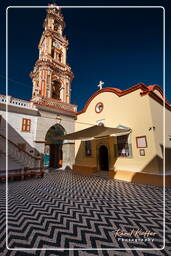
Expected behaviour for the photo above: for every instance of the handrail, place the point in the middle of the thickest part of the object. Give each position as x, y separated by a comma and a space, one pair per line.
36, 158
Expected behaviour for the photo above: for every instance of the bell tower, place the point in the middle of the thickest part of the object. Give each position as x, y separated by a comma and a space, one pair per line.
51, 75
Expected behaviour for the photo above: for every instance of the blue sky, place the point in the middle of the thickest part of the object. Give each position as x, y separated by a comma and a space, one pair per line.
121, 47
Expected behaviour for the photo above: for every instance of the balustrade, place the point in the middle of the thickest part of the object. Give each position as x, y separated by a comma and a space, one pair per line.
17, 102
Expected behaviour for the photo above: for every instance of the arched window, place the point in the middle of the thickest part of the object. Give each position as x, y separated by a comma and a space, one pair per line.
56, 87
52, 53
55, 25
60, 57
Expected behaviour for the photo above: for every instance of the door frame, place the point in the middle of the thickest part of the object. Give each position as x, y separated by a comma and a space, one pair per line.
106, 144
60, 154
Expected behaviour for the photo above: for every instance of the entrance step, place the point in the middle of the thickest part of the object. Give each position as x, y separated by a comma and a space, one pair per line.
51, 170
54, 170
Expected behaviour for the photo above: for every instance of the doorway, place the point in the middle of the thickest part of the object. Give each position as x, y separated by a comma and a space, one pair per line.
103, 158
54, 155
55, 160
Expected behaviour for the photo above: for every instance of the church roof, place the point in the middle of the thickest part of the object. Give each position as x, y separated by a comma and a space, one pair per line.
146, 90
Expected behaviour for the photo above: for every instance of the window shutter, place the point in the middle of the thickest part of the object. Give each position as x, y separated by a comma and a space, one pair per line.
26, 125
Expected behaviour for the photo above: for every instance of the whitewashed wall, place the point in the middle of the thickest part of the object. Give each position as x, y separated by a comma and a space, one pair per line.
15, 133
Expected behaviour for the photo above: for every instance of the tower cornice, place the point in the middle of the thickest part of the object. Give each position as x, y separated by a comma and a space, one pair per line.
56, 67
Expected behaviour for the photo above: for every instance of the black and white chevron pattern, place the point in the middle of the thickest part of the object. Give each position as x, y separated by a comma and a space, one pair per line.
66, 210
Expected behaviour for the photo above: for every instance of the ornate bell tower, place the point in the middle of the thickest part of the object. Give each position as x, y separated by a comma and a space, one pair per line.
51, 75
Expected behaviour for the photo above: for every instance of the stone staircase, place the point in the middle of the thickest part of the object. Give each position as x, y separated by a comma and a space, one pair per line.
17, 158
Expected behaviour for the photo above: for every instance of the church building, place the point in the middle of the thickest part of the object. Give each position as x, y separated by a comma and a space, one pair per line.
118, 134
134, 150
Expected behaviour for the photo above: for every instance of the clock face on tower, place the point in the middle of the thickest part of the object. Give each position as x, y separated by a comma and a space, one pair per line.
99, 107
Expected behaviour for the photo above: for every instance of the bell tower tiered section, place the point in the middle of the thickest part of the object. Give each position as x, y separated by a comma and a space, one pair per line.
51, 75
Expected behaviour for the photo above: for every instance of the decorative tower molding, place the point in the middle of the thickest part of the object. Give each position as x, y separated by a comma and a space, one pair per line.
51, 75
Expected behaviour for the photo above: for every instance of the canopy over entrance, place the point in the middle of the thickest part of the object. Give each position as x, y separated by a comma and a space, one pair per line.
94, 132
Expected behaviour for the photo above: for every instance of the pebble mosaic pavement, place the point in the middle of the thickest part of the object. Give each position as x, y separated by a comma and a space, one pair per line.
66, 210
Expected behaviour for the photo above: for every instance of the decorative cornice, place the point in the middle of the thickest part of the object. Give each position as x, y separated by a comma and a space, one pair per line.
56, 104
54, 66
54, 107
145, 90
160, 100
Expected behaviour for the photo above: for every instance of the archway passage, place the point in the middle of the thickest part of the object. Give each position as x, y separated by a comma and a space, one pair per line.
54, 154
103, 158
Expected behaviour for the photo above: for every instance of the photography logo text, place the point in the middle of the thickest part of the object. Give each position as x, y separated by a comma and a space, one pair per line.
135, 235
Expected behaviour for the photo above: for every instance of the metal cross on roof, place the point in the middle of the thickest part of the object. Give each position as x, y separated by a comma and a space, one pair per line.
100, 85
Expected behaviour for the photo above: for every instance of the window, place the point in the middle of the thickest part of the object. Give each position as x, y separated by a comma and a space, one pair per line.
52, 53
56, 87
124, 149
99, 107
88, 149
26, 125
55, 26
141, 142
60, 57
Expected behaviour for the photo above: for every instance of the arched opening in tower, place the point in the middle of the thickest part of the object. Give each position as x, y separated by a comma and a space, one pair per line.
56, 88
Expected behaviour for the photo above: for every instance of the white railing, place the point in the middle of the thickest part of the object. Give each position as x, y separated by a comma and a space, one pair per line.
19, 156
16, 102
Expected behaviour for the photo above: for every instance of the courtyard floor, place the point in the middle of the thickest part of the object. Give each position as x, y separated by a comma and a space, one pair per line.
66, 210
